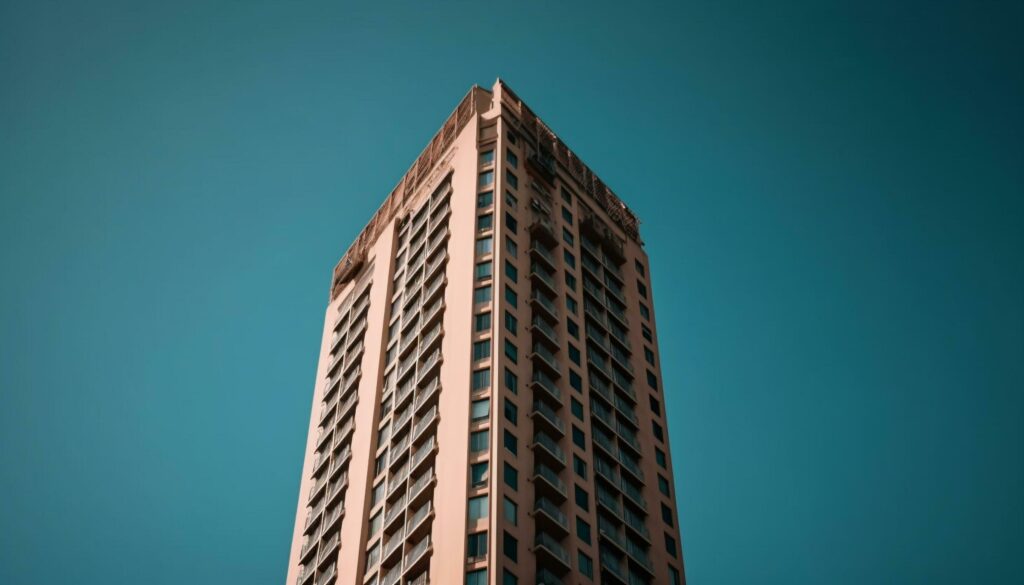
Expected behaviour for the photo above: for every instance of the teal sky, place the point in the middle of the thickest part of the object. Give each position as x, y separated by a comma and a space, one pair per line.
832, 196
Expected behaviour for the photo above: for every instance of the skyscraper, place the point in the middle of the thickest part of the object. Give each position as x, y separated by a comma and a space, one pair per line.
488, 406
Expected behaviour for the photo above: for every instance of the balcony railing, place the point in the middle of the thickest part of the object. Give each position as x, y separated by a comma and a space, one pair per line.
545, 302
548, 443
425, 421
547, 384
544, 505
417, 551
394, 510
328, 575
549, 415
550, 476
548, 542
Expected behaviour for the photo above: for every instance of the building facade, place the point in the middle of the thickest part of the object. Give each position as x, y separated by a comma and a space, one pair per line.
488, 406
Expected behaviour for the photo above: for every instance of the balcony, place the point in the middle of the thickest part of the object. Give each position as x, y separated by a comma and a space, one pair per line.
420, 488
546, 577
628, 437
336, 487
604, 443
428, 419
328, 575
544, 415
542, 355
609, 501
433, 313
548, 517
317, 487
547, 447
417, 554
395, 510
404, 393
346, 407
634, 495
418, 523
543, 302
392, 576
434, 265
548, 549
306, 573
602, 414
612, 566
421, 579
542, 276
309, 547
546, 387
401, 419
606, 471
438, 237
547, 482
546, 332
428, 340
425, 394
390, 546
328, 549
313, 516
406, 367
601, 387
398, 451
542, 254
423, 453
341, 459
638, 556
433, 288
430, 365
636, 524
626, 410
543, 229
397, 480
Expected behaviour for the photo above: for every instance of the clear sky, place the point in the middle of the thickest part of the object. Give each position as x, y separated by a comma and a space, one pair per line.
832, 196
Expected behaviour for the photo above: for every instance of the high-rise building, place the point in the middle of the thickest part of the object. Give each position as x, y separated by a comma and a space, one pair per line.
488, 406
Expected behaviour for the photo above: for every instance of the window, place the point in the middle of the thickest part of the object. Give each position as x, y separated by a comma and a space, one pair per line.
381, 464
507, 578
641, 288
649, 355
670, 545
476, 546
485, 222
484, 246
577, 408
666, 515
477, 508
575, 381
579, 438
511, 412
478, 474
487, 157
511, 297
511, 443
570, 260
567, 237
485, 199
511, 323
513, 181
571, 304
511, 200
659, 456
658, 432
481, 322
570, 283
582, 499
573, 328
483, 270
652, 380
378, 493
373, 555
481, 295
510, 245
574, 354
477, 577
511, 223
579, 466
586, 565
512, 159
512, 137
486, 178
480, 409
639, 267
478, 441
655, 405
481, 349
646, 333
511, 475
511, 381
511, 352
510, 546
566, 196
663, 486
583, 530
376, 521
567, 215
645, 312
511, 272
510, 509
